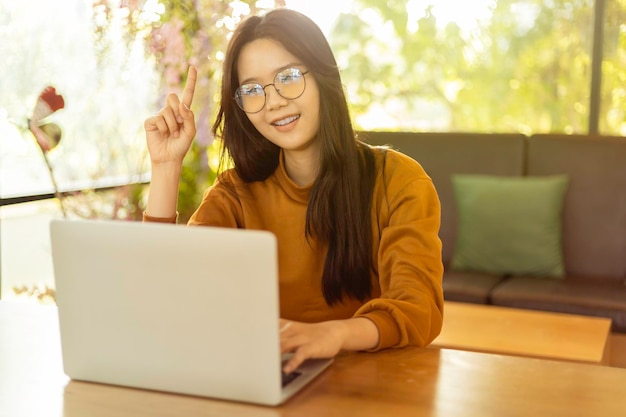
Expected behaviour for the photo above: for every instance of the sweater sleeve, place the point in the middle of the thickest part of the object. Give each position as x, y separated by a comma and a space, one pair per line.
220, 206
409, 310
149, 218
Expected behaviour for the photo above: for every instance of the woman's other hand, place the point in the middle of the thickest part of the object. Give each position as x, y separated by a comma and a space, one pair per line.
325, 339
170, 132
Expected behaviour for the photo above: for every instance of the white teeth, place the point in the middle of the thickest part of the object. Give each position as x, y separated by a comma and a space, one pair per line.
286, 121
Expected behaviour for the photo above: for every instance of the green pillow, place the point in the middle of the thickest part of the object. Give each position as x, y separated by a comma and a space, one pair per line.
509, 225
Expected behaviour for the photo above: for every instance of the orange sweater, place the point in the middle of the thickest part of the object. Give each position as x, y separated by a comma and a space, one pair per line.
407, 299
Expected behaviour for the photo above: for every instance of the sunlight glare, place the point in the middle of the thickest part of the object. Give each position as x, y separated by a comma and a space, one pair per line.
466, 15
323, 12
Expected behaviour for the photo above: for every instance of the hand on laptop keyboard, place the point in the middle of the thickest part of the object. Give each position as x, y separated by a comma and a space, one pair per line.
288, 377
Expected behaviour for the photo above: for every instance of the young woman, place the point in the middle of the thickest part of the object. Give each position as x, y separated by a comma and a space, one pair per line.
359, 256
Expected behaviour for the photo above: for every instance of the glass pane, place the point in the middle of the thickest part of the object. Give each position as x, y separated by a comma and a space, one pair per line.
107, 84
483, 65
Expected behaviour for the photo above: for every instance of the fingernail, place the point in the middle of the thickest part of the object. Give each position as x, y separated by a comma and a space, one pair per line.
179, 119
185, 106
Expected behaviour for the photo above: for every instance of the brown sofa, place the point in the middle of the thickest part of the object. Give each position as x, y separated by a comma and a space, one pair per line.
593, 215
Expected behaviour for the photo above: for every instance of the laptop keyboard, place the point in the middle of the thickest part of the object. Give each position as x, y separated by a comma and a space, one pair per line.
287, 378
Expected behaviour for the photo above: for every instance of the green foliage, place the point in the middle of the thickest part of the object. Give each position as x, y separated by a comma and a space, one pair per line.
613, 110
525, 67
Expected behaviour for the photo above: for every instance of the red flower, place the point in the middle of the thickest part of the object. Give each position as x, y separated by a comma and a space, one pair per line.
47, 103
47, 135
54, 100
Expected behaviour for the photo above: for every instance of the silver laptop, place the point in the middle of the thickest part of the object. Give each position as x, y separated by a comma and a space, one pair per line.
189, 310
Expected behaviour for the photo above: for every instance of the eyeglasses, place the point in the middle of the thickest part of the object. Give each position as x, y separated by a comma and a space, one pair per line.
289, 84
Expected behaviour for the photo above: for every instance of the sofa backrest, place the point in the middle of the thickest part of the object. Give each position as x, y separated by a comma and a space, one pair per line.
594, 217
445, 154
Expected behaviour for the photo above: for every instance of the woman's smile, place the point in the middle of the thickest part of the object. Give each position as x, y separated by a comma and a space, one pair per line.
286, 121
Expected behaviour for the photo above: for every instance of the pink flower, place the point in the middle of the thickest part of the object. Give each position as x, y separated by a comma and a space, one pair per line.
47, 135
132, 5
168, 42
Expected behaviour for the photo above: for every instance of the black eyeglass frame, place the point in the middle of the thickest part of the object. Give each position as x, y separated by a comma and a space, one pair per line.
237, 96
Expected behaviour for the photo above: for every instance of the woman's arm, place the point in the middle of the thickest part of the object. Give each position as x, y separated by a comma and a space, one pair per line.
409, 310
163, 196
325, 339
169, 135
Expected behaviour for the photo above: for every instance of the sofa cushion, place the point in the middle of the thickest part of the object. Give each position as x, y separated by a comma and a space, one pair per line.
589, 296
509, 225
594, 213
469, 287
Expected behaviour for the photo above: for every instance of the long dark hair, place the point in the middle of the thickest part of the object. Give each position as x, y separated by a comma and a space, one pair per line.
339, 210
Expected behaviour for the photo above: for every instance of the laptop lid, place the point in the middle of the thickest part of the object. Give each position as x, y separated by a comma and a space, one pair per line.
190, 310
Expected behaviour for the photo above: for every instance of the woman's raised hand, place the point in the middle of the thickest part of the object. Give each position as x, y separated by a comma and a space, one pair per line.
170, 132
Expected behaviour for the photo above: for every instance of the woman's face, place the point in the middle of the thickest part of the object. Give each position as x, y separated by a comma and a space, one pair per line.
291, 124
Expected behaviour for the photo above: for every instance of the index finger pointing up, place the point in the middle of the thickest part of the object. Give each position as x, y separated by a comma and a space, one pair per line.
190, 86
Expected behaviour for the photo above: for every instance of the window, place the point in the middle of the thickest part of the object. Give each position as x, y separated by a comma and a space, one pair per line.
506, 65
108, 86
441, 65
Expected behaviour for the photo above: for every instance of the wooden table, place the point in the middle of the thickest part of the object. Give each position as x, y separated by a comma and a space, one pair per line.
512, 331
403, 382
